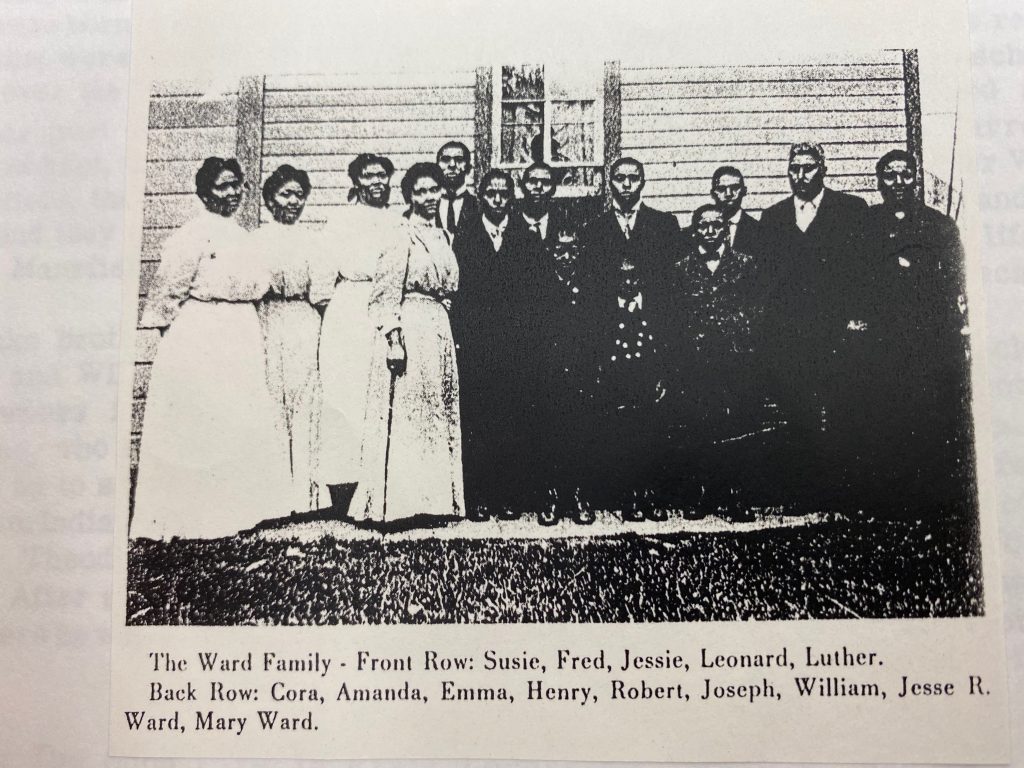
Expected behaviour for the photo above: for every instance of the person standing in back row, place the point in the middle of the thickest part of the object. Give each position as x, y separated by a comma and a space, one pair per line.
913, 439
813, 240
728, 190
458, 204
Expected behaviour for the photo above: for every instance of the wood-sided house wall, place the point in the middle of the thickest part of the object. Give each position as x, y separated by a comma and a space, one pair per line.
682, 122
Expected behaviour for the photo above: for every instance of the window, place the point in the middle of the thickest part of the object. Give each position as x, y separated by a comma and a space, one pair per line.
552, 114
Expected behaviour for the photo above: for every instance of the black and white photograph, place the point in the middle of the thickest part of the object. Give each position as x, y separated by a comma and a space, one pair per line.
554, 343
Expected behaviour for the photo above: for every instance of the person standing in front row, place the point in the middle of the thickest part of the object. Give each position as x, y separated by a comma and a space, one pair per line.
813, 240
626, 263
351, 245
291, 328
211, 462
490, 324
457, 204
412, 441
721, 297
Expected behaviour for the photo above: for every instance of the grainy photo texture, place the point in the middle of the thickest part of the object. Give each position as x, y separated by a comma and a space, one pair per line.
553, 343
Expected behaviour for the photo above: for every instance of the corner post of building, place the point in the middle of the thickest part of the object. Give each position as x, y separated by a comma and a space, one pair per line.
482, 117
249, 147
912, 102
612, 121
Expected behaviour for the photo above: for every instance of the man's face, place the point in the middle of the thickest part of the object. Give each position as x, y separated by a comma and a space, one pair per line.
627, 183
374, 185
454, 165
896, 182
497, 199
711, 229
538, 188
225, 193
728, 193
806, 176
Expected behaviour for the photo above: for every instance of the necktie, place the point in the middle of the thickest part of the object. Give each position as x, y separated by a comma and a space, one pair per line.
628, 229
535, 228
450, 226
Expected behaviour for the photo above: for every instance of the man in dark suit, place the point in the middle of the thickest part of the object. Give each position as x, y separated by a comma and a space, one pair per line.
728, 190
458, 203
492, 347
542, 218
913, 442
813, 240
625, 267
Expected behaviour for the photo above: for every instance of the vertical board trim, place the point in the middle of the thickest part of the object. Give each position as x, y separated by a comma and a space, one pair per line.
249, 147
482, 115
612, 120
912, 84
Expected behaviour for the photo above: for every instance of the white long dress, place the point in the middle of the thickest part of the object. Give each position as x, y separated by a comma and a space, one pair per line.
353, 241
210, 462
291, 334
412, 446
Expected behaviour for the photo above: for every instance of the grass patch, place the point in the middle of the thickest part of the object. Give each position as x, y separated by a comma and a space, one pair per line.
839, 569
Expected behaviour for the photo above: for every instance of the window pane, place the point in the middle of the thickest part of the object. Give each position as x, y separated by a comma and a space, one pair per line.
522, 129
572, 111
572, 131
572, 142
524, 82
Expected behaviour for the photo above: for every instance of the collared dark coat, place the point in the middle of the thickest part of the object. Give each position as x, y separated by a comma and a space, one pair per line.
912, 377
626, 335
499, 321
749, 238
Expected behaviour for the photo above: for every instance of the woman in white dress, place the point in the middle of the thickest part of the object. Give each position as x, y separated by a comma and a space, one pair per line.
210, 464
353, 241
291, 329
412, 446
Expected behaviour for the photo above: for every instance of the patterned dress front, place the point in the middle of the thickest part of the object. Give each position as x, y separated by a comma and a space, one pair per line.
412, 444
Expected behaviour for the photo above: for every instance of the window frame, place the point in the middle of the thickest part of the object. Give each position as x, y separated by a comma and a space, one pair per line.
596, 95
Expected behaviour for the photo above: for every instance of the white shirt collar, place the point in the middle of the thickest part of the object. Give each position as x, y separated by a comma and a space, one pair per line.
813, 203
495, 230
735, 218
711, 255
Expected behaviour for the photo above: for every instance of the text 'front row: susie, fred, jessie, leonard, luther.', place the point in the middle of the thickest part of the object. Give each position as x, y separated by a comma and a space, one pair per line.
500, 355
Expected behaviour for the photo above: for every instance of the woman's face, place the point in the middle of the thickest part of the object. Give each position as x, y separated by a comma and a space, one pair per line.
288, 202
374, 185
426, 197
225, 194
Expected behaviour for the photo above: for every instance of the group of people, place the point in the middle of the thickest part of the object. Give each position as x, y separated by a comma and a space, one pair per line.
496, 355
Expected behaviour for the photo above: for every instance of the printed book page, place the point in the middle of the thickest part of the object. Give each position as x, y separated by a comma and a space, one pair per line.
591, 396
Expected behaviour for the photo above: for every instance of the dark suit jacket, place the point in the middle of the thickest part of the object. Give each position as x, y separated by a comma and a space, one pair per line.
470, 209
654, 246
910, 285
811, 298
748, 236
559, 220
